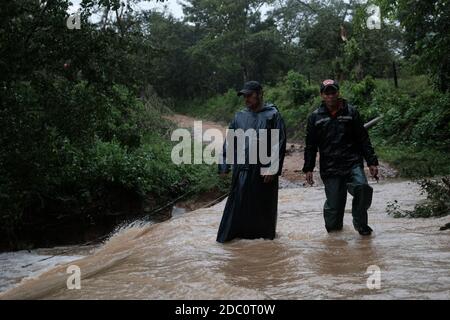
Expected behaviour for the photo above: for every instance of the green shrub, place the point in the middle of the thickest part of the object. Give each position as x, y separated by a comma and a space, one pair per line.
292, 95
437, 203
413, 161
67, 144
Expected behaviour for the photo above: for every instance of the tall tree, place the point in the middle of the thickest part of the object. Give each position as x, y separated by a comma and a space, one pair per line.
426, 25
234, 44
331, 39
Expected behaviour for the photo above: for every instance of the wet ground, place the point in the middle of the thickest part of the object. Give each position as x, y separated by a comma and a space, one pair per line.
179, 258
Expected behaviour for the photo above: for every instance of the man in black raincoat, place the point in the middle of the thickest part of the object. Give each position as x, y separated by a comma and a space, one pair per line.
251, 208
337, 131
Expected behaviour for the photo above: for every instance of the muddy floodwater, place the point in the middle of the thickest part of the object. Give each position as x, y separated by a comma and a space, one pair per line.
179, 258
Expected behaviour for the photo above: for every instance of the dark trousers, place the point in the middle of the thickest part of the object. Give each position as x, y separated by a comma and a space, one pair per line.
336, 188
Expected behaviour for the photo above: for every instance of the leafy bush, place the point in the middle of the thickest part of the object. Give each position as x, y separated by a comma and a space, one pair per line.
359, 93
219, 108
68, 146
437, 203
412, 161
292, 95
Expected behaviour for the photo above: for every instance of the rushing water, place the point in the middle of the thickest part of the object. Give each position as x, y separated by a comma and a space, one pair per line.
179, 258
14, 266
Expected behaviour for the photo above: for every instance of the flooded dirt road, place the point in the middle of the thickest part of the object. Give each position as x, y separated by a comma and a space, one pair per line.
179, 258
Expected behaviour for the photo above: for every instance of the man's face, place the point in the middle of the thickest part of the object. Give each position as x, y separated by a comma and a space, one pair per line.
252, 100
330, 96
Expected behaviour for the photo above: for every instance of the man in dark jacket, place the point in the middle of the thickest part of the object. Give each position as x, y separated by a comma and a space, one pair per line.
251, 208
337, 131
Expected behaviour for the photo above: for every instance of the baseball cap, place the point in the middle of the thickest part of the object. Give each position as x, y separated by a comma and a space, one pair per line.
328, 83
249, 87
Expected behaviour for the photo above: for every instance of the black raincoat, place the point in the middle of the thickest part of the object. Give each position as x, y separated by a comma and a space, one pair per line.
251, 208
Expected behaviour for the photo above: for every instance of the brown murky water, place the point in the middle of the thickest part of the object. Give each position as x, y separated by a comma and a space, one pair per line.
179, 258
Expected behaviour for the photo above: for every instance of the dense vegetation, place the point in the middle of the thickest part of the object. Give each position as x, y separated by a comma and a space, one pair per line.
413, 135
82, 133
82, 127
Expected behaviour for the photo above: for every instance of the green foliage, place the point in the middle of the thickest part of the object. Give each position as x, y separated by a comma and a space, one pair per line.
295, 99
426, 25
413, 162
79, 119
360, 95
421, 121
299, 88
148, 169
413, 115
219, 108
437, 203
413, 134
233, 45
121, 144
293, 96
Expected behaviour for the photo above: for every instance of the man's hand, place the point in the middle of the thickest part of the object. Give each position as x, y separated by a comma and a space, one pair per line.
374, 172
309, 178
268, 178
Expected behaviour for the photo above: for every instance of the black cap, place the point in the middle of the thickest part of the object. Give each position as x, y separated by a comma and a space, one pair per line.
249, 87
328, 83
